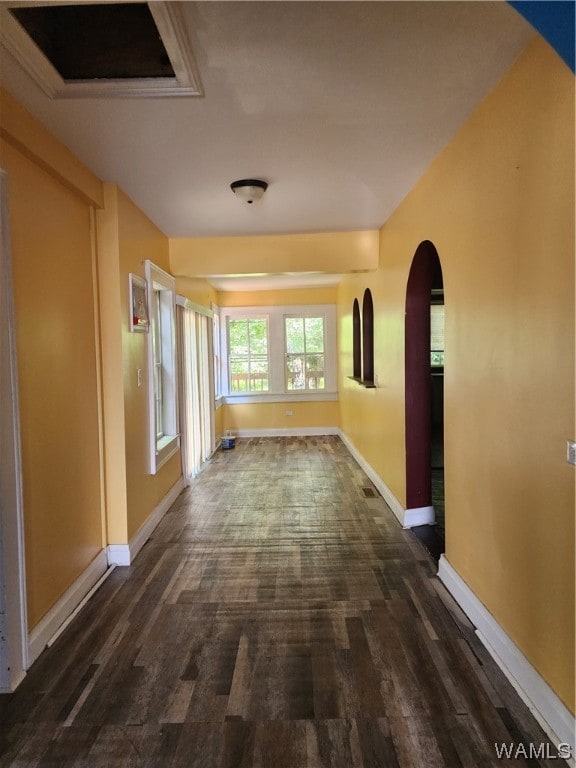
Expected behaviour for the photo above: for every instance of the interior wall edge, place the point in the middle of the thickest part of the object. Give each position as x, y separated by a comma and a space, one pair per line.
26, 134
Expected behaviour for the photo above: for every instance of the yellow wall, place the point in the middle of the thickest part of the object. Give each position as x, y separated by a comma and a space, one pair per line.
498, 204
373, 419
32, 140
325, 252
287, 296
139, 240
273, 415
197, 290
52, 253
111, 318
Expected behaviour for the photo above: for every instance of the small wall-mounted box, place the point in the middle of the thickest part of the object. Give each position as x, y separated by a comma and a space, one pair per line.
571, 452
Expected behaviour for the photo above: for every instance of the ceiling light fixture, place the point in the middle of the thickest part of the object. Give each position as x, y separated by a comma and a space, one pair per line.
249, 190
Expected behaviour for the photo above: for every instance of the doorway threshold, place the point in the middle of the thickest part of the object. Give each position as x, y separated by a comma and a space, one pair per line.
431, 539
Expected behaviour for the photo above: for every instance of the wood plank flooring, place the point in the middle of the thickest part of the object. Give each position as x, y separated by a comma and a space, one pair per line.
277, 618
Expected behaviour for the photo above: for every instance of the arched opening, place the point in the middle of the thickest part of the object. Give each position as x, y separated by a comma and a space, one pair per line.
424, 389
356, 341
367, 338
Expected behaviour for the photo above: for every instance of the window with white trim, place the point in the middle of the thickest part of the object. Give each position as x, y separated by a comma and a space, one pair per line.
216, 351
279, 354
248, 364
162, 382
304, 353
156, 328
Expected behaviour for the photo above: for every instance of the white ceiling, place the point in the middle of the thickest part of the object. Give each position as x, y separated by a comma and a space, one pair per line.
339, 106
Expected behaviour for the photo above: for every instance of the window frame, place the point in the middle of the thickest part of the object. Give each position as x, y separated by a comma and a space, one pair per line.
277, 353
305, 354
248, 356
161, 288
217, 354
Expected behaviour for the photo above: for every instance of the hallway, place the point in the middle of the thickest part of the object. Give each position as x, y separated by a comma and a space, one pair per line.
277, 618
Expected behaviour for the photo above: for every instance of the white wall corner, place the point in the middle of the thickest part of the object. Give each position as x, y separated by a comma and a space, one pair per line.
552, 714
40, 636
385, 492
118, 554
419, 516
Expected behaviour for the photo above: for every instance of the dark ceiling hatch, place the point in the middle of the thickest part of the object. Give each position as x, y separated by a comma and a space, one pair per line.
112, 42
104, 49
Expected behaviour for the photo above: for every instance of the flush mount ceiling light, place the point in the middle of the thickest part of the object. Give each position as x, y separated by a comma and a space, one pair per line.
249, 190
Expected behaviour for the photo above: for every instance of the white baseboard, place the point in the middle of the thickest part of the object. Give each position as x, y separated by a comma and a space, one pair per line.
48, 626
553, 716
419, 516
118, 554
125, 554
287, 432
385, 492
16, 678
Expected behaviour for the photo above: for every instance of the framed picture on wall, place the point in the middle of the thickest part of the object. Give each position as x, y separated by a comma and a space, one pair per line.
139, 316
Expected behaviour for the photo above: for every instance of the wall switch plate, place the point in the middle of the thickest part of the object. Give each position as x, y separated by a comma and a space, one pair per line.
139, 377
571, 452
288, 413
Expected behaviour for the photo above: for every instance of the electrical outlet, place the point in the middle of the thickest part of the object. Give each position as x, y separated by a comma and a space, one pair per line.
571, 452
287, 413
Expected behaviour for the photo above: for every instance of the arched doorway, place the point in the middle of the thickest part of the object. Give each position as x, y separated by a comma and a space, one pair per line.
423, 388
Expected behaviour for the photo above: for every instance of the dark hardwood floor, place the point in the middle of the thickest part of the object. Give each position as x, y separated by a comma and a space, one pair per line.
276, 619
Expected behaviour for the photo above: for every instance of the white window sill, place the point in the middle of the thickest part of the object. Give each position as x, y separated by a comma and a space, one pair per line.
279, 397
166, 447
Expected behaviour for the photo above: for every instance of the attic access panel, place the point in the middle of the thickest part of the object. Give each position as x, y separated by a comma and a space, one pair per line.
102, 49
85, 42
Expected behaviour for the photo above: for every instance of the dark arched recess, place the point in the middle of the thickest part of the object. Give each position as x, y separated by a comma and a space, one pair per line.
425, 274
367, 338
356, 341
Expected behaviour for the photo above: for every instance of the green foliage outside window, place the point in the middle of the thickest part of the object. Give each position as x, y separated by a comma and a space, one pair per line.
304, 353
248, 354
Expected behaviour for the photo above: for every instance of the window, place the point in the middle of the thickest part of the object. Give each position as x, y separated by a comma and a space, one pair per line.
248, 354
304, 353
157, 358
278, 354
437, 335
216, 351
162, 382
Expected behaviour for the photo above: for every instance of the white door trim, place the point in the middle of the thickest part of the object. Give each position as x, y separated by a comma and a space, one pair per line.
13, 610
